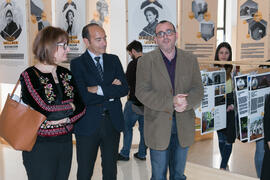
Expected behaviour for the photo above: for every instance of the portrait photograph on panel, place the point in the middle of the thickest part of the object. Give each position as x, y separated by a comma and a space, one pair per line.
11, 20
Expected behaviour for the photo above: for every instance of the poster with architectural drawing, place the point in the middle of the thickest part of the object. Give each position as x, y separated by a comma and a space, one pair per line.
198, 23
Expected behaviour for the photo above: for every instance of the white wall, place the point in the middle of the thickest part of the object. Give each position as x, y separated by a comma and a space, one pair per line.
231, 20
118, 36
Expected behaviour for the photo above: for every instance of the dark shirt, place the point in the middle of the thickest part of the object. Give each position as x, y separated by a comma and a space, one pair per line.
170, 65
131, 80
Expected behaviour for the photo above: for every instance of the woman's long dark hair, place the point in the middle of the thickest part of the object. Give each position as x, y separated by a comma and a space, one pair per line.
228, 67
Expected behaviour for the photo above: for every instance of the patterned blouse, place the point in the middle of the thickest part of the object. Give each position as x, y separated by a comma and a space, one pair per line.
40, 91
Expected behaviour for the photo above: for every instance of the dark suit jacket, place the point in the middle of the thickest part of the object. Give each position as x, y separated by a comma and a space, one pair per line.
86, 74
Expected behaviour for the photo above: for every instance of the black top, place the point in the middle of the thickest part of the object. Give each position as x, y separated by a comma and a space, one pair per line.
131, 80
40, 91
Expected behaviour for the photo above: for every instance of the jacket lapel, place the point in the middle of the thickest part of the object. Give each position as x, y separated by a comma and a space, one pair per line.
178, 69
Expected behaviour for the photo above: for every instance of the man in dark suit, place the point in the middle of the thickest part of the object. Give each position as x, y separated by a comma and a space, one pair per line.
101, 81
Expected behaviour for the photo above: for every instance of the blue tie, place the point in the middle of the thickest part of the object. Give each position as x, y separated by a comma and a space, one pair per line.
99, 68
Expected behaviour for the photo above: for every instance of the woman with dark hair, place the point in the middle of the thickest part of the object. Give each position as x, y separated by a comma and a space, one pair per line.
70, 22
226, 136
151, 15
50, 89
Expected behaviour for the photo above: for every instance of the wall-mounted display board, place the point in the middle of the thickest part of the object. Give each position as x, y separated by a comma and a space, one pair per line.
198, 22
251, 90
253, 30
70, 15
99, 12
40, 17
143, 16
212, 109
13, 39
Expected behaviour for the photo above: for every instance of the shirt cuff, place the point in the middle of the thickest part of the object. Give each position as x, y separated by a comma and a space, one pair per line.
99, 91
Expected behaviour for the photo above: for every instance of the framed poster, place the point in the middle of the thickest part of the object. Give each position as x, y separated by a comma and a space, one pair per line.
143, 16
40, 17
70, 15
13, 40
198, 22
212, 110
99, 13
252, 30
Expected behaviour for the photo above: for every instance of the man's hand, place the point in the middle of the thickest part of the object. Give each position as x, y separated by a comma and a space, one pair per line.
116, 82
180, 102
92, 89
268, 144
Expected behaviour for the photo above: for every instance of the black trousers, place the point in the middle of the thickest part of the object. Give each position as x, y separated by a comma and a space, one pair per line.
107, 139
265, 175
50, 158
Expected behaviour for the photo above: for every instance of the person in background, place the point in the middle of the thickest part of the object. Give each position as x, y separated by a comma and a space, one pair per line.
101, 82
169, 85
135, 51
265, 173
226, 136
51, 90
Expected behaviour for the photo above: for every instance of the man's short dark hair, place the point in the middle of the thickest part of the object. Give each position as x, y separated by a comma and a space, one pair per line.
85, 32
164, 21
136, 45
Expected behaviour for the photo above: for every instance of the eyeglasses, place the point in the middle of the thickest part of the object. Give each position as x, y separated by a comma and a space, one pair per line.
168, 32
64, 45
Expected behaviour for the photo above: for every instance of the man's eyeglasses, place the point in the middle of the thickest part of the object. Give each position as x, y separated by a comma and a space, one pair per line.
64, 45
168, 32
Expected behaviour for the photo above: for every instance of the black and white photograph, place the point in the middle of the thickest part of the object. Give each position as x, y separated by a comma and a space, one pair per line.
248, 9
241, 83
102, 9
38, 14
257, 29
218, 77
151, 16
143, 16
70, 15
207, 80
199, 8
13, 39
207, 30
11, 23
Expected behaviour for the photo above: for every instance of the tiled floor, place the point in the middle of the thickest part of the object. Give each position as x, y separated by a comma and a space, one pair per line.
203, 152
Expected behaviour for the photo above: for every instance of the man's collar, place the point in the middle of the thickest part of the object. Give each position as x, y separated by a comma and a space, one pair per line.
93, 55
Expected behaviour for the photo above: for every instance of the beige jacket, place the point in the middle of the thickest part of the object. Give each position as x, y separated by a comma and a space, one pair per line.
154, 90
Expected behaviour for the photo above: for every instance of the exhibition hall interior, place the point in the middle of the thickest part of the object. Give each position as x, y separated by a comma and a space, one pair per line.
200, 26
